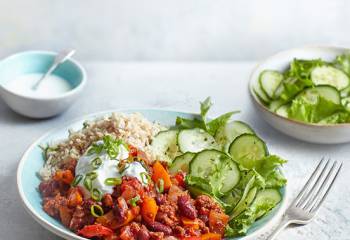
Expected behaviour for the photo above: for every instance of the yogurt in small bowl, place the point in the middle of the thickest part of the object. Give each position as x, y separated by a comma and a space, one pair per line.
19, 72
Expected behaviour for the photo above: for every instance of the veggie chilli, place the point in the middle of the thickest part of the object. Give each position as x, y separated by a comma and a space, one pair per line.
312, 91
203, 180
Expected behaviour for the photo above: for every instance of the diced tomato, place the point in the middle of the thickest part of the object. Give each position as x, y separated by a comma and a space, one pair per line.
132, 151
107, 200
96, 230
111, 222
65, 176
180, 178
159, 172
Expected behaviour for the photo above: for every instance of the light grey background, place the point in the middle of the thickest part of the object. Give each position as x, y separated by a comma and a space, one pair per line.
201, 30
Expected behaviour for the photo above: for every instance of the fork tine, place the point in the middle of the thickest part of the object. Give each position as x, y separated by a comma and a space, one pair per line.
311, 201
312, 188
313, 175
318, 205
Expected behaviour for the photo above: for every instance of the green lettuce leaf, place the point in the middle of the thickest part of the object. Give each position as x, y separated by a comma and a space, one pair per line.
212, 126
338, 117
342, 62
303, 110
240, 225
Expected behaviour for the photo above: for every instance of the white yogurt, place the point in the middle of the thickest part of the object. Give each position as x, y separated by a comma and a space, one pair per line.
108, 169
52, 86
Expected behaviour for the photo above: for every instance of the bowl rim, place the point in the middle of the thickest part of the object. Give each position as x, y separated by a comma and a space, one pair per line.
67, 233
286, 52
67, 94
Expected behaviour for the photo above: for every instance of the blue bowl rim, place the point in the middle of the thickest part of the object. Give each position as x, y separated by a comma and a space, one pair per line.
73, 91
67, 234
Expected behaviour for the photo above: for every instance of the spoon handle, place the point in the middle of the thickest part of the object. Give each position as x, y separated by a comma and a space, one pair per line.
60, 58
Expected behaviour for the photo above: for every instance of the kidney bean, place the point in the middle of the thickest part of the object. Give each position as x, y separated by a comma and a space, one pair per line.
186, 208
159, 227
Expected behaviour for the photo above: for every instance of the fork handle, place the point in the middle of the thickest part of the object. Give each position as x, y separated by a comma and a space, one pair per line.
282, 225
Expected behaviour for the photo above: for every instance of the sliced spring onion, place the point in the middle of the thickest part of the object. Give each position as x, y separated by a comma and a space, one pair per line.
96, 210
96, 194
113, 181
77, 180
160, 187
145, 178
92, 175
96, 163
88, 183
133, 201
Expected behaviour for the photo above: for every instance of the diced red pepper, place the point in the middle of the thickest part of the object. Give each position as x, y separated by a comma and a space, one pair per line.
132, 151
96, 230
180, 178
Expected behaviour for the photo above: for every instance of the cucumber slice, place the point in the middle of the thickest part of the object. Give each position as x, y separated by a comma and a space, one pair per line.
327, 75
247, 150
283, 110
217, 168
260, 93
270, 196
270, 81
181, 163
241, 205
326, 91
164, 145
278, 91
195, 140
274, 105
251, 196
228, 132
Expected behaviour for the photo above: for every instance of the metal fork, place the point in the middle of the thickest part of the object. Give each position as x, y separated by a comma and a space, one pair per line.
306, 205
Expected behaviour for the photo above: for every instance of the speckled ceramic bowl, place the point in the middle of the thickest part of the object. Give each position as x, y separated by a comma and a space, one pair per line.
32, 160
325, 134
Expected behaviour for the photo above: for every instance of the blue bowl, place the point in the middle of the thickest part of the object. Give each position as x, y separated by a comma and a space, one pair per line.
32, 161
39, 62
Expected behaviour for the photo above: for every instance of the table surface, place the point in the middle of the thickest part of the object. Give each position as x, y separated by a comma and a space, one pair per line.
113, 85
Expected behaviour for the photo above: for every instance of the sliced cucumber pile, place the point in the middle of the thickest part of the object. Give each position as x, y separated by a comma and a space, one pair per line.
225, 160
317, 82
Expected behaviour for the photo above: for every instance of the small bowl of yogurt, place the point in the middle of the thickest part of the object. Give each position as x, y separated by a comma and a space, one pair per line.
18, 74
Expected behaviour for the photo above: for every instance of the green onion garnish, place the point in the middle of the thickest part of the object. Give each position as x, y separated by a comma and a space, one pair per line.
88, 183
145, 178
113, 181
77, 180
160, 188
92, 175
96, 163
96, 210
96, 194
133, 201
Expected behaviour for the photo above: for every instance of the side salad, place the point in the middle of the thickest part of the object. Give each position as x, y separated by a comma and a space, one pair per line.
312, 91
226, 160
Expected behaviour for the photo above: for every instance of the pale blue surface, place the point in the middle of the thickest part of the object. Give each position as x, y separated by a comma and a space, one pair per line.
38, 62
33, 161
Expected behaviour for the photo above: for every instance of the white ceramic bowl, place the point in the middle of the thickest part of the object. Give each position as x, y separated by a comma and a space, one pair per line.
325, 134
39, 62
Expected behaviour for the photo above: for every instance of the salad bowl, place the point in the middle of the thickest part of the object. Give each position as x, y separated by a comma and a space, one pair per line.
309, 132
33, 160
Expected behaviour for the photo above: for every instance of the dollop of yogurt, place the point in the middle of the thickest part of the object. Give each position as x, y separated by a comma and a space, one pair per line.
107, 169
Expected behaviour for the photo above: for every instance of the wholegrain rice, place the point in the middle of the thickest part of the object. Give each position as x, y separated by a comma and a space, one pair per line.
133, 128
